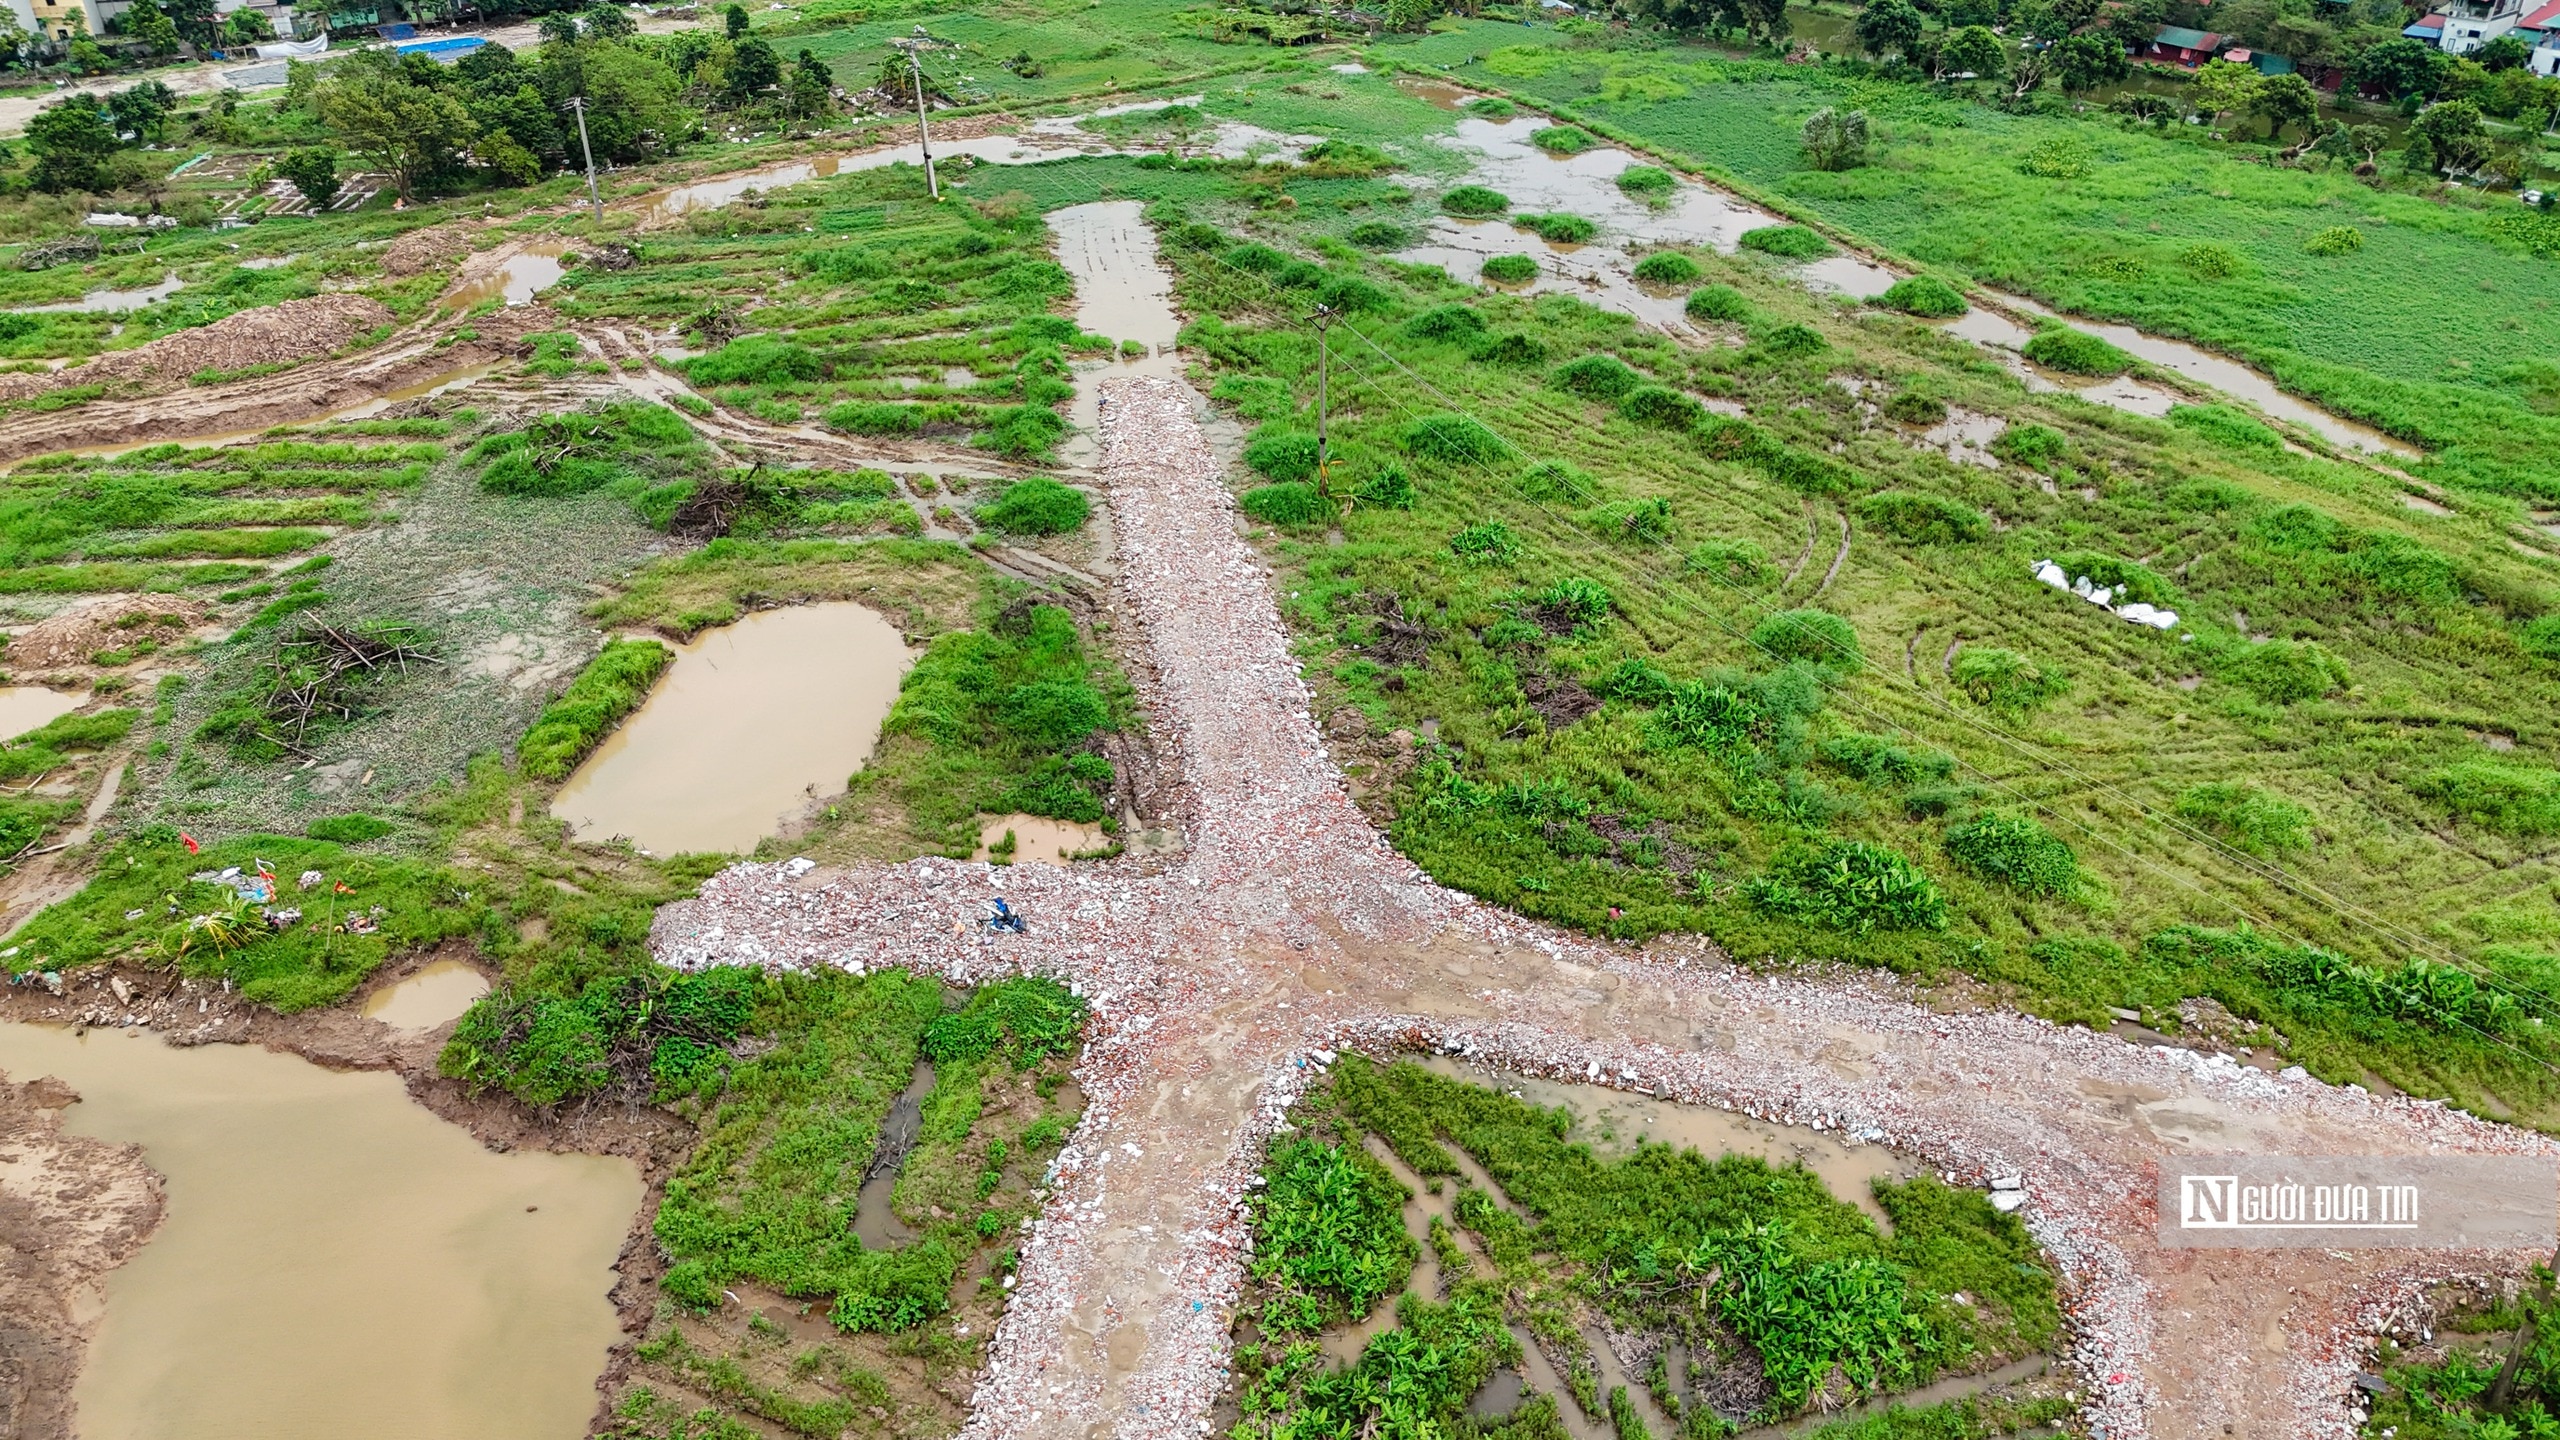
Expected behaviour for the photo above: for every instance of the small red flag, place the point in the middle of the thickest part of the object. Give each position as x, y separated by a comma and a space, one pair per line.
190, 841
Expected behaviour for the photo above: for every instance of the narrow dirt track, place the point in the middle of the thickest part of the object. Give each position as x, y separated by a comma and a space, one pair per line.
1292, 929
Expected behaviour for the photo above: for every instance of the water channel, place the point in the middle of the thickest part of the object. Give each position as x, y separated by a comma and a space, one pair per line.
334, 1260
753, 721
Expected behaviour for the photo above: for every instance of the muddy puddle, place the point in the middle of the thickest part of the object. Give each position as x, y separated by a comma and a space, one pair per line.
335, 1260
532, 269
25, 707
874, 1223
753, 721
439, 992
1121, 291
729, 189
1585, 184
109, 302
1612, 1121
1037, 839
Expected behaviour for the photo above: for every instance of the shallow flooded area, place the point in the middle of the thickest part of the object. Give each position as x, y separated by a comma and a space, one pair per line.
109, 302
528, 272
1037, 839
335, 1260
1122, 291
439, 992
25, 707
752, 721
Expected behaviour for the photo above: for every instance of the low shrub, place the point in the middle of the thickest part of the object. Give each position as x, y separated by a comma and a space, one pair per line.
1454, 440
2006, 681
1924, 295
2335, 240
1817, 636
1913, 408
1290, 504
2207, 260
1667, 267
349, 829
1717, 302
1562, 139
1730, 562
2076, 352
1596, 377
1558, 229
2017, 852
1037, 506
1876, 759
875, 417
612, 686
756, 360
2128, 579
1023, 431
1352, 295
2282, 672
1257, 259
1633, 521
1923, 519
1576, 604
1282, 453
1515, 348
1475, 201
1510, 269
1851, 885
2246, 817
1649, 183
1787, 242
1379, 235
2226, 427
1488, 543
1661, 407
1445, 322
2037, 447
1793, 341
1389, 489
2518, 800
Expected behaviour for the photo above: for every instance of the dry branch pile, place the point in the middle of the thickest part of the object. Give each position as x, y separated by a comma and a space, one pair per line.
320, 674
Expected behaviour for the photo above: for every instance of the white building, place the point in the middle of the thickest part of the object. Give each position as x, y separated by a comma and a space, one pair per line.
2540, 28
2470, 24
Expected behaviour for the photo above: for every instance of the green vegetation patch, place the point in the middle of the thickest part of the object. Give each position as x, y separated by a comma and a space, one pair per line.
610, 687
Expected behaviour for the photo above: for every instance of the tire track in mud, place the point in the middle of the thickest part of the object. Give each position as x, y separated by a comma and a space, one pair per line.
1222, 987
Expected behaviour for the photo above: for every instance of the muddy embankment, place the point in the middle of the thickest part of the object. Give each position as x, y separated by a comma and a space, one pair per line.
73, 1208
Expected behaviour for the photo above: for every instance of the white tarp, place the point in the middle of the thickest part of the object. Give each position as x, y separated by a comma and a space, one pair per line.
2104, 597
294, 49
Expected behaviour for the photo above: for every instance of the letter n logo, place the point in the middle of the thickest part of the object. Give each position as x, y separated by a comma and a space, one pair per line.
2206, 1202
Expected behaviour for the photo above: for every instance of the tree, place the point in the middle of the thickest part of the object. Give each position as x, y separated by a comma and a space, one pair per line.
1835, 139
2507, 52
310, 17
246, 27
1965, 14
630, 94
2085, 61
156, 32
1974, 51
1411, 17
1889, 28
2398, 68
71, 140
13, 38
2223, 86
2287, 100
143, 110
2028, 67
753, 69
197, 23
2454, 138
314, 172
558, 28
812, 86
401, 130
610, 22
734, 16
1766, 20
301, 86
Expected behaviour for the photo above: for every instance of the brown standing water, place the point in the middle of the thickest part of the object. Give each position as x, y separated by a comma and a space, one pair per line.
335, 1260
440, 991
753, 721
1038, 840
24, 707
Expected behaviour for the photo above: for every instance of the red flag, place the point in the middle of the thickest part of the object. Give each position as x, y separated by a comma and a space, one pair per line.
190, 841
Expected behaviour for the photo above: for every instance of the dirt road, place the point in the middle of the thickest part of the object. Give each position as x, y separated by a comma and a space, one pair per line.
1291, 929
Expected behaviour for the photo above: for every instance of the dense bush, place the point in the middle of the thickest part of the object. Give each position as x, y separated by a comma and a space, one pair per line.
1454, 440
1596, 377
1788, 242
612, 686
1515, 348
756, 360
1662, 408
349, 829
1924, 295
2519, 800
1007, 712
1910, 407
2006, 681
1851, 885
586, 450
2129, 580
1379, 235
2335, 240
2037, 447
2281, 672
1329, 1231
1282, 452
1558, 229
1791, 341
2225, 426
1445, 322
1923, 519
1667, 267
1389, 488
1291, 503
1488, 543
1562, 139
2016, 851
1037, 506
1475, 201
875, 417
548, 1048
2076, 352
2246, 817
1649, 183
1718, 302
1023, 1021
1817, 636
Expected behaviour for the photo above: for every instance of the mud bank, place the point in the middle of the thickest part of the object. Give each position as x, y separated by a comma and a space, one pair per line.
53, 1330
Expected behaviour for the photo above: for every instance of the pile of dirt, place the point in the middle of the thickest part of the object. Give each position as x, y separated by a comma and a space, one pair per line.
76, 636
423, 250
270, 335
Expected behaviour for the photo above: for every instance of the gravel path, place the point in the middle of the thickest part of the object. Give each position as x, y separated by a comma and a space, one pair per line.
1291, 931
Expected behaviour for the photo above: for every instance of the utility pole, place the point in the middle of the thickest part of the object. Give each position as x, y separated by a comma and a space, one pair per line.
915, 47
579, 104
1324, 356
